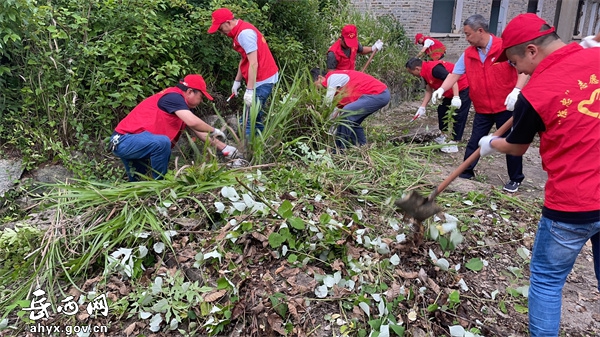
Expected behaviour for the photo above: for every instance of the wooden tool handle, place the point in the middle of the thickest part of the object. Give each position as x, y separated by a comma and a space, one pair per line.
472, 158
368, 61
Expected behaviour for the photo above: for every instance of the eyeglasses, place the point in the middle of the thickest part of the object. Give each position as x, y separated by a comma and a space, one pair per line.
512, 63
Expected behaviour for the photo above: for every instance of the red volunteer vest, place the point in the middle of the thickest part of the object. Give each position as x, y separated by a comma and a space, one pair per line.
266, 63
489, 82
435, 83
358, 85
343, 62
146, 116
565, 91
437, 50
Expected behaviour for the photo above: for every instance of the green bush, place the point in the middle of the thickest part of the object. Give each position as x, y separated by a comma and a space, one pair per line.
71, 69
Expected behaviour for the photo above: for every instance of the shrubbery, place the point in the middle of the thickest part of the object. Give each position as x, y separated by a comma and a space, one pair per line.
71, 69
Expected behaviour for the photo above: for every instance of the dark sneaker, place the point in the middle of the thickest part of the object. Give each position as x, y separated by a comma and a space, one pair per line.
512, 186
467, 175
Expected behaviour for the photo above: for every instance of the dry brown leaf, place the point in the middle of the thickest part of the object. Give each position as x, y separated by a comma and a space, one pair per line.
337, 265
82, 316
357, 312
298, 332
124, 290
387, 241
294, 312
339, 292
258, 236
223, 232
290, 272
130, 329
185, 255
211, 297
238, 310
276, 324
423, 276
74, 292
407, 274
393, 291
279, 270
433, 286
90, 282
258, 308
353, 251
111, 296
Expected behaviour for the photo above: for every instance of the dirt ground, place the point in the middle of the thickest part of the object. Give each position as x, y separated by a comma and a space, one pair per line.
581, 299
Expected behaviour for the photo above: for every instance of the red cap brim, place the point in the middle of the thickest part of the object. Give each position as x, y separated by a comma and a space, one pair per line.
213, 28
207, 95
352, 43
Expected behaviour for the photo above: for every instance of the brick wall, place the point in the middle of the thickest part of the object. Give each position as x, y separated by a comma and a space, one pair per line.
415, 16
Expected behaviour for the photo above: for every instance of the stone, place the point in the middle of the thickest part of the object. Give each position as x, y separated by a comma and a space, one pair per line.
10, 173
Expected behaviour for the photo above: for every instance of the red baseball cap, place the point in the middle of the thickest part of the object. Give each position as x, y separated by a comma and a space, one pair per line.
418, 37
521, 29
196, 81
219, 16
350, 36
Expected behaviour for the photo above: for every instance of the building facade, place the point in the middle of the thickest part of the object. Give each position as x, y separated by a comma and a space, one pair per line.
443, 19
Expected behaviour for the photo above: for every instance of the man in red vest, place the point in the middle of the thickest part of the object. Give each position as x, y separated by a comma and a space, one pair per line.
493, 87
149, 132
561, 104
359, 96
433, 48
434, 73
257, 66
342, 54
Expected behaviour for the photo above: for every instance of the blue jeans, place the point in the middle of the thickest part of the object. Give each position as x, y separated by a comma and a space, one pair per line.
482, 124
350, 132
555, 249
262, 93
137, 150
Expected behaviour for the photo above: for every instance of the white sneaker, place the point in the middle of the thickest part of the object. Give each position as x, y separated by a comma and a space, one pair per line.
451, 148
440, 139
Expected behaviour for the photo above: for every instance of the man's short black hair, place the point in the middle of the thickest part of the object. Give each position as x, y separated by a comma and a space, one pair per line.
185, 88
315, 72
413, 63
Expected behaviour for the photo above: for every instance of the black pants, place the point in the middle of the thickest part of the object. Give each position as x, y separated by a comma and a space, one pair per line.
462, 114
482, 124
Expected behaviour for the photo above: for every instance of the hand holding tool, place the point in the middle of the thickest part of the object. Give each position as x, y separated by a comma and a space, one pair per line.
437, 95
420, 112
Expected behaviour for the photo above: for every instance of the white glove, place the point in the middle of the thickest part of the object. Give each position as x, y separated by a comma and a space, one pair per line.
248, 97
511, 99
377, 46
236, 86
438, 95
218, 133
420, 113
230, 152
589, 42
486, 145
456, 102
